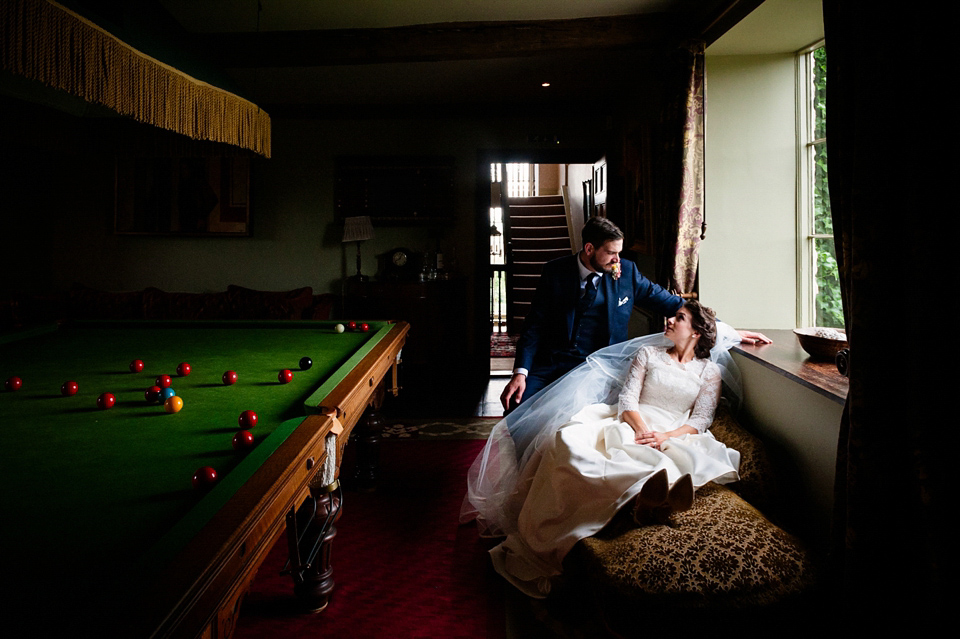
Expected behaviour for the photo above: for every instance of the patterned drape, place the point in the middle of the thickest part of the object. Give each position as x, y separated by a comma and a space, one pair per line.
678, 192
690, 222
890, 211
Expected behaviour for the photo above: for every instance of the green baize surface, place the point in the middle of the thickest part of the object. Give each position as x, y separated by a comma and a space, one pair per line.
95, 490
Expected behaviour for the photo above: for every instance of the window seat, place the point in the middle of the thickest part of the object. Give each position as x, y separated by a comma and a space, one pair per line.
786, 358
795, 406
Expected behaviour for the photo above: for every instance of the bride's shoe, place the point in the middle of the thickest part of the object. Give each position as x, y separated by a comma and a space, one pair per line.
655, 489
653, 495
680, 495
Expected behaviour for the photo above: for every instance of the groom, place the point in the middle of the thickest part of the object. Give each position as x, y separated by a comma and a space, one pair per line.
583, 303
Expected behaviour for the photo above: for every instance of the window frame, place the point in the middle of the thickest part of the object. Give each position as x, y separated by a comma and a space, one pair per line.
806, 174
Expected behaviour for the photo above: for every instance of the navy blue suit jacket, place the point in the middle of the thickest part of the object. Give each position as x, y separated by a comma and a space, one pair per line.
548, 327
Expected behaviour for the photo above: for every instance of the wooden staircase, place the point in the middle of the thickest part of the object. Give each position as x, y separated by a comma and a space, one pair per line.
537, 232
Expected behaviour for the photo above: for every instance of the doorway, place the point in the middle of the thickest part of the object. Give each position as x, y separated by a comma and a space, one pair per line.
535, 213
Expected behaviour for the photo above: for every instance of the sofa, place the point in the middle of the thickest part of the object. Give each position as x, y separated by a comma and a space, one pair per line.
19, 310
722, 562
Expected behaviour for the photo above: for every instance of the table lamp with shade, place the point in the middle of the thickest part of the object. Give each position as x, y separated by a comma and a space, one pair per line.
357, 229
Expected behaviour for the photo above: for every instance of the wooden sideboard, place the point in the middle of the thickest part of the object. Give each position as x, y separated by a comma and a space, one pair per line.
437, 348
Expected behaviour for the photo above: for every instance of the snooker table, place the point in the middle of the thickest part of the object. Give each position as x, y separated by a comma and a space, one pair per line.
104, 534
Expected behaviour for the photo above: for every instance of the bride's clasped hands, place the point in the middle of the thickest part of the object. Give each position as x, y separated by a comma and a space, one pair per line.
657, 440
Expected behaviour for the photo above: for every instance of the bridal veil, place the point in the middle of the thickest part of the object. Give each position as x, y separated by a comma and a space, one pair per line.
495, 489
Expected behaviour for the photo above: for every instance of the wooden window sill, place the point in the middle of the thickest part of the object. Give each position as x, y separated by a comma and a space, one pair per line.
785, 357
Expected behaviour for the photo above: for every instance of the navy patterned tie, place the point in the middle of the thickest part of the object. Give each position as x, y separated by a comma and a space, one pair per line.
590, 290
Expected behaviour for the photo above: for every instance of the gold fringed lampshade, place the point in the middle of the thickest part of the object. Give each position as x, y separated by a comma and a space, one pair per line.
45, 42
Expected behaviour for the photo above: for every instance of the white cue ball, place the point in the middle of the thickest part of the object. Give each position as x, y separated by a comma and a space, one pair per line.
338, 328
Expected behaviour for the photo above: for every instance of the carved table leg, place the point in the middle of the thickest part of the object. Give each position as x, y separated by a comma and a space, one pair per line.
310, 534
368, 431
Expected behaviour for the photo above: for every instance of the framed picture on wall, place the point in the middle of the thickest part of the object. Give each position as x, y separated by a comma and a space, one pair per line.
395, 191
182, 196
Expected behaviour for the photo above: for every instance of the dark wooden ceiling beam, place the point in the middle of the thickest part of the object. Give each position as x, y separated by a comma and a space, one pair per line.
722, 18
446, 41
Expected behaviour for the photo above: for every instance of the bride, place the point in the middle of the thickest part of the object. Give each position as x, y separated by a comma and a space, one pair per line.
630, 424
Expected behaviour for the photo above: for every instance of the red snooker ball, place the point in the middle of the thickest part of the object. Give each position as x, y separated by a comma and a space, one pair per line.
365, 327
152, 394
13, 384
285, 376
352, 326
247, 419
164, 381
69, 388
229, 378
106, 400
243, 440
204, 478
136, 366
183, 369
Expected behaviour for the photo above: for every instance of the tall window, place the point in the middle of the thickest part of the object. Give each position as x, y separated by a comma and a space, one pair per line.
820, 305
521, 179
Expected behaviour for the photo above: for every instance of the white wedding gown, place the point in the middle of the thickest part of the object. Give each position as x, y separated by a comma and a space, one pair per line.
570, 487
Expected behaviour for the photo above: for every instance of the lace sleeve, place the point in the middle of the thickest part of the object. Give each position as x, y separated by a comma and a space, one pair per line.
633, 384
703, 409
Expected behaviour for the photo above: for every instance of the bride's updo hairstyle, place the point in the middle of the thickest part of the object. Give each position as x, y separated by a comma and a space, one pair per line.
704, 321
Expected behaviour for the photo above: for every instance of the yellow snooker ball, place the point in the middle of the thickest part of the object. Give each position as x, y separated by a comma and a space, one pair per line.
339, 328
173, 404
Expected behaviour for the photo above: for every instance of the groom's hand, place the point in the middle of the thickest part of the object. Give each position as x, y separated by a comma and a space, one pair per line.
514, 390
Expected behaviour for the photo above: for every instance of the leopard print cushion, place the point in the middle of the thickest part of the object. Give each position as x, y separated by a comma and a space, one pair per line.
721, 553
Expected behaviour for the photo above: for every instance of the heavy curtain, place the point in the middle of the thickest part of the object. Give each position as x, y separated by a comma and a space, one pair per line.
678, 195
45, 42
888, 174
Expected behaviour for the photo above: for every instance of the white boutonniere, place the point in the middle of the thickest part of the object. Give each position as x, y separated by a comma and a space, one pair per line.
615, 271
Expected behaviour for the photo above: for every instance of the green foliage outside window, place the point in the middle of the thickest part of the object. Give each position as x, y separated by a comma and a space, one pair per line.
829, 309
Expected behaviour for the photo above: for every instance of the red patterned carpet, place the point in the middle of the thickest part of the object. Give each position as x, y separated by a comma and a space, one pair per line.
503, 345
403, 566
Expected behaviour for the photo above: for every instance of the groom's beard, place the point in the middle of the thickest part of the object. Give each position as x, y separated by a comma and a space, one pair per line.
598, 267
